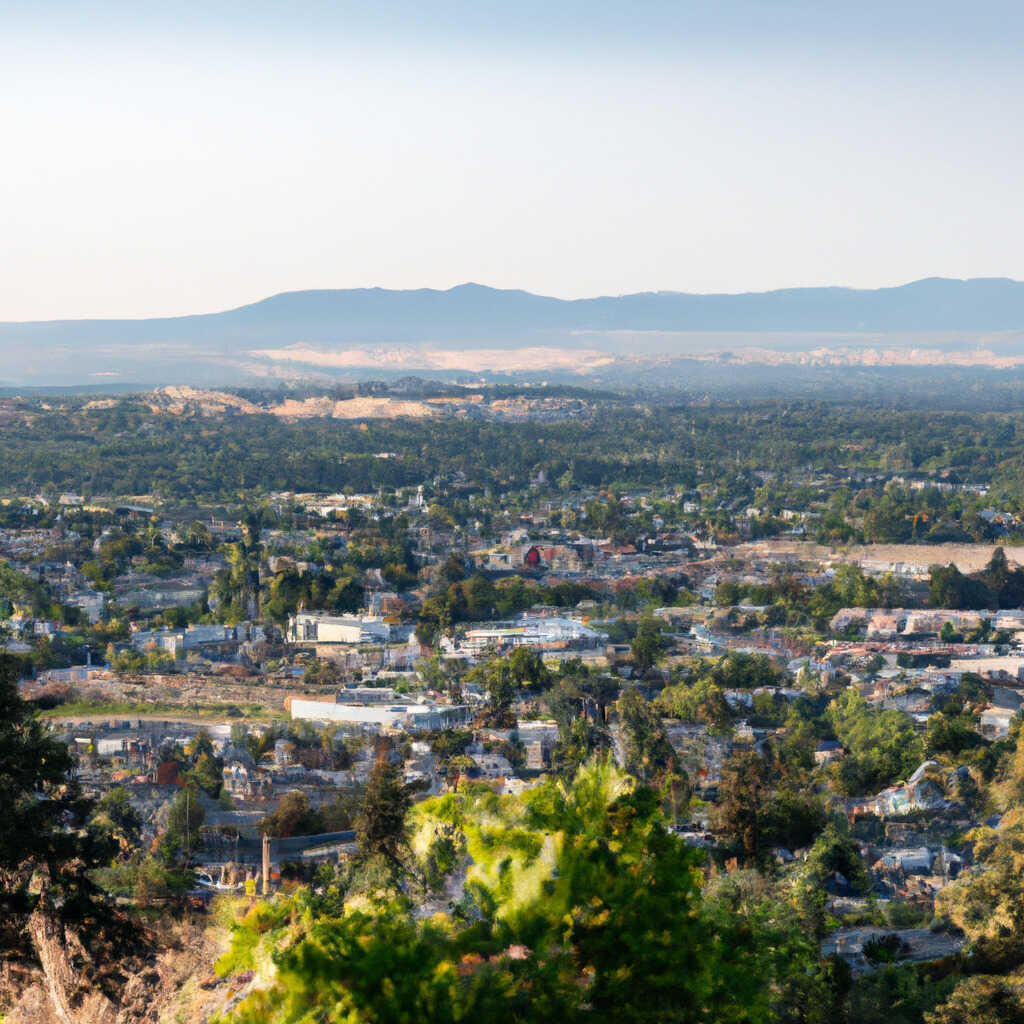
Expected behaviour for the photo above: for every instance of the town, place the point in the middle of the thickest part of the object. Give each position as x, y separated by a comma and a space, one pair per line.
830, 711
511, 513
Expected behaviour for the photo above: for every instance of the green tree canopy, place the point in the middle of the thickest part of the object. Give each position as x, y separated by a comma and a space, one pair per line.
581, 906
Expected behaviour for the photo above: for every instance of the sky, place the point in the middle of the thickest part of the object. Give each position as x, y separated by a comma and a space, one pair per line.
184, 157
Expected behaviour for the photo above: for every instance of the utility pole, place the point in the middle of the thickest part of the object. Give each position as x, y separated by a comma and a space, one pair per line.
266, 864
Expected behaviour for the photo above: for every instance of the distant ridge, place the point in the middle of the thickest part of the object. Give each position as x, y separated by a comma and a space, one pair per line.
477, 311
331, 332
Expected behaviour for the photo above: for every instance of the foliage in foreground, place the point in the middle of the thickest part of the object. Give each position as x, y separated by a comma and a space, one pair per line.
577, 903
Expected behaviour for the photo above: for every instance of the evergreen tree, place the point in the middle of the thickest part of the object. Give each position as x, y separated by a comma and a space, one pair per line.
46, 852
182, 834
380, 823
41, 805
649, 754
739, 816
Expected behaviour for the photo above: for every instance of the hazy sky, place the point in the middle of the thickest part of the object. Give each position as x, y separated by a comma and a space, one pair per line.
177, 157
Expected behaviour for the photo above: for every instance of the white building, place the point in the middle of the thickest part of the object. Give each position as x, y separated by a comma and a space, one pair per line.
523, 632
320, 628
90, 602
327, 506
404, 716
994, 722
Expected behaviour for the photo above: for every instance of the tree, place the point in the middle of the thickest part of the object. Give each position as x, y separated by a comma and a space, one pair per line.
837, 852
897, 995
739, 814
578, 737
501, 688
739, 671
437, 675
949, 635
980, 1000
1005, 584
952, 734
792, 819
201, 743
649, 754
46, 855
181, 837
322, 672
114, 817
598, 692
207, 774
703, 702
197, 534
527, 669
380, 823
950, 588
292, 817
453, 570
584, 907
882, 746
647, 645
153, 881
38, 798
384, 965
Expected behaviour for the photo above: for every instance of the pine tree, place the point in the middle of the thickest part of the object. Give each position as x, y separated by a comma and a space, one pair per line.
40, 847
380, 824
46, 853
181, 836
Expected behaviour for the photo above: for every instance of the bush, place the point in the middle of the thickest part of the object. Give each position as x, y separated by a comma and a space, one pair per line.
885, 949
908, 915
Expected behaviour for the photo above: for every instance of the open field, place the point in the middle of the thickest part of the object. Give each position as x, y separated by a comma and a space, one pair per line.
966, 557
89, 711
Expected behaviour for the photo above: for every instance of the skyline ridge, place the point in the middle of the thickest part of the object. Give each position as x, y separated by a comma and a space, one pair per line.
465, 287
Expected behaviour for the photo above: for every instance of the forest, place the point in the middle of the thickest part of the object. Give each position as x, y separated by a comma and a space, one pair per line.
845, 473
127, 448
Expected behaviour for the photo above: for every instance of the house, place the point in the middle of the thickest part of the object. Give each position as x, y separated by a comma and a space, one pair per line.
509, 786
568, 557
885, 623
90, 602
846, 617
493, 766
1010, 620
994, 723
241, 776
911, 862
828, 751
532, 558
211, 639
538, 755
920, 793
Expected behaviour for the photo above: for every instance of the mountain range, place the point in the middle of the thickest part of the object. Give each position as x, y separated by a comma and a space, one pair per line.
474, 328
